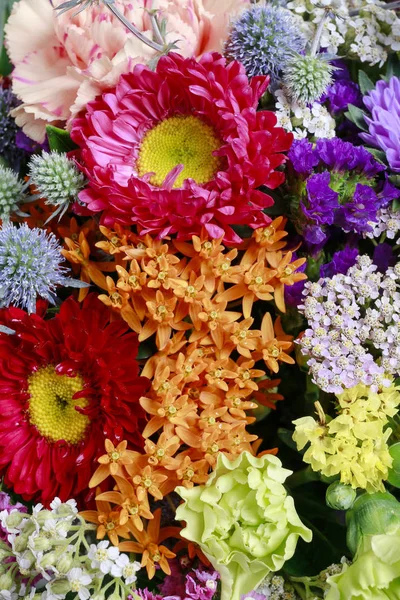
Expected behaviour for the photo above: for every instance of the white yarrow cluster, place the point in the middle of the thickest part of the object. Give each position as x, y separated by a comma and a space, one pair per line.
364, 29
47, 547
387, 222
354, 327
304, 120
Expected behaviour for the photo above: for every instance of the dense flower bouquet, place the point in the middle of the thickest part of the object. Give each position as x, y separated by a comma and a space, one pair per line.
199, 300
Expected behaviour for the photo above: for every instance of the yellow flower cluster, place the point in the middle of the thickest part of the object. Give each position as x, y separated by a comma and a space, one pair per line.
354, 443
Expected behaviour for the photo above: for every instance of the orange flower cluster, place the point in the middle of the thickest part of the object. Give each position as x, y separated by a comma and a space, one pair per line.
204, 377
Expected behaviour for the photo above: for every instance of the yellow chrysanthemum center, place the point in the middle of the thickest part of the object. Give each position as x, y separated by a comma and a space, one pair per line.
52, 407
180, 140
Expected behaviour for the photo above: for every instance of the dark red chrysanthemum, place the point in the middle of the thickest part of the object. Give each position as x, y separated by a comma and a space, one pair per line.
181, 148
66, 384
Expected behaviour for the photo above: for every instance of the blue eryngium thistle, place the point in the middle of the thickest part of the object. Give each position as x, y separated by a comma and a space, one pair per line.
307, 77
11, 193
30, 267
263, 38
57, 179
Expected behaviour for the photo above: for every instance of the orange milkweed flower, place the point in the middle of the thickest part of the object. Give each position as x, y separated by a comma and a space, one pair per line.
79, 254
108, 522
191, 472
119, 302
146, 479
148, 544
255, 286
161, 319
112, 462
285, 274
274, 342
172, 409
161, 453
244, 338
126, 498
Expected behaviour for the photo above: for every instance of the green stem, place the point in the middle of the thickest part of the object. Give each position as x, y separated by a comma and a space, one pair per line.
134, 30
302, 477
318, 34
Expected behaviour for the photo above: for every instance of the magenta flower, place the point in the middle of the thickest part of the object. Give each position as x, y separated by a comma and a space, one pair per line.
181, 148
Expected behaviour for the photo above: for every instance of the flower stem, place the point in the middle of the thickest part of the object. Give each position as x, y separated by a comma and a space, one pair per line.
134, 30
317, 38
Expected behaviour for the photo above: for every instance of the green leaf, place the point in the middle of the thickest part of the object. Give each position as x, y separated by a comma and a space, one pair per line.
286, 436
394, 472
395, 207
393, 67
59, 140
378, 154
365, 82
356, 115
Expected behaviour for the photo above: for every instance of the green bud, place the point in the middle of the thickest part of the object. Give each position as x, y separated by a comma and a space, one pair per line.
48, 560
307, 77
371, 514
43, 516
340, 496
42, 544
21, 543
64, 564
14, 519
60, 587
6, 581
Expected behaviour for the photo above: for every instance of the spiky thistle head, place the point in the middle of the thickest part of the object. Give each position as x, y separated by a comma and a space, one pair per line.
307, 77
11, 192
263, 38
57, 179
30, 266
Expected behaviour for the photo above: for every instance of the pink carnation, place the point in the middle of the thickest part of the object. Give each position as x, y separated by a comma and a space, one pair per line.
63, 62
181, 148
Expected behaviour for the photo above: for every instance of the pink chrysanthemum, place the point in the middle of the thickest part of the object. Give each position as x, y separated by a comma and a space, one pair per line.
181, 148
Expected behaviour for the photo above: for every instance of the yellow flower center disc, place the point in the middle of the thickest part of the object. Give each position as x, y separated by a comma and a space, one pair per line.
180, 140
52, 408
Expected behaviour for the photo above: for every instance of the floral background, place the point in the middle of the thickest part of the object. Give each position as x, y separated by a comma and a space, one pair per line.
199, 300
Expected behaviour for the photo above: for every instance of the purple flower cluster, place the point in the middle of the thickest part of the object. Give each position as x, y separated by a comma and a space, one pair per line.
338, 188
340, 263
354, 327
198, 584
343, 91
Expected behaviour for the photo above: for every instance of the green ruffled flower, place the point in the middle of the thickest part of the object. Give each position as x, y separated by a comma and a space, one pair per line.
243, 520
375, 573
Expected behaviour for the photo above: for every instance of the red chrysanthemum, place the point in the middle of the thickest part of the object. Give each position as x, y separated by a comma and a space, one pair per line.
66, 384
181, 148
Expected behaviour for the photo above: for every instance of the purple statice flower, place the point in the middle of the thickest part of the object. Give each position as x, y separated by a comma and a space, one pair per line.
201, 585
383, 103
322, 201
23, 142
303, 157
340, 263
356, 214
384, 257
341, 93
343, 156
